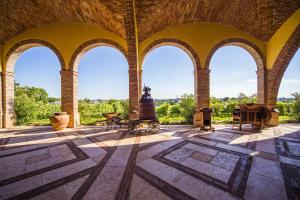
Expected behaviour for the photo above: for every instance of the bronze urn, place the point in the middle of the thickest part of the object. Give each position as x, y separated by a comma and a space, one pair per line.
147, 107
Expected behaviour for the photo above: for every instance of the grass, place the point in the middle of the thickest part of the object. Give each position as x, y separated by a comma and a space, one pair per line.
91, 120
39, 122
287, 119
172, 120
222, 120
162, 120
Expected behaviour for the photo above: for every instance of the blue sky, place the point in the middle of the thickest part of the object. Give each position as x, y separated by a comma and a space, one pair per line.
103, 73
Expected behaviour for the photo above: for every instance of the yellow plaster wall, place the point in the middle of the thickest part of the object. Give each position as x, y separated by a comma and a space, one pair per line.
202, 37
278, 40
66, 37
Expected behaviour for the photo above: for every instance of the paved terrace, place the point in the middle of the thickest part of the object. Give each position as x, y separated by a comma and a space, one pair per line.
178, 163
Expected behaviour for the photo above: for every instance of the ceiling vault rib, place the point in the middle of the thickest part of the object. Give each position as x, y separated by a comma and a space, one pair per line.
260, 18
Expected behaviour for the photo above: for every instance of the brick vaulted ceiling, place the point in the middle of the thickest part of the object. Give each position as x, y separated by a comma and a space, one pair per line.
260, 18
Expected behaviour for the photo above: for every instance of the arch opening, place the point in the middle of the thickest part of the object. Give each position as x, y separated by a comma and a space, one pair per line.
236, 78
100, 82
89, 45
30, 98
259, 60
168, 69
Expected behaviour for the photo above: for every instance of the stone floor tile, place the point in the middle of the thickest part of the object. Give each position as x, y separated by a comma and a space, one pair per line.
201, 149
150, 194
206, 168
12, 169
180, 154
160, 147
264, 182
37, 158
225, 135
200, 190
202, 141
161, 170
137, 186
88, 147
262, 187
265, 147
19, 187
202, 156
290, 161
67, 170
16, 150
72, 187
235, 148
106, 184
55, 194
240, 140
39, 165
267, 168
119, 158
293, 148
225, 160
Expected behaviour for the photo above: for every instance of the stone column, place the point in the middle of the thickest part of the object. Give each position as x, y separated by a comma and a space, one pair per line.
69, 99
202, 88
132, 56
140, 83
202, 99
1, 102
261, 86
133, 93
8, 99
272, 89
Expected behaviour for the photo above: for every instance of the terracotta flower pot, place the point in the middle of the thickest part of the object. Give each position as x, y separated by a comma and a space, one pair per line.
59, 120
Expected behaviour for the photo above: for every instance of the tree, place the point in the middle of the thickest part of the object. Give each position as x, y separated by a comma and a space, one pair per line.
31, 103
163, 110
175, 110
187, 104
296, 106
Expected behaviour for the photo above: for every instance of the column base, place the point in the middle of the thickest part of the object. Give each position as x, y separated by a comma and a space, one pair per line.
74, 120
274, 119
198, 119
133, 115
8, 121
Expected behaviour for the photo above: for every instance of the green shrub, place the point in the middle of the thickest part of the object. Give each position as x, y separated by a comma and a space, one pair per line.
163, 110
187, 105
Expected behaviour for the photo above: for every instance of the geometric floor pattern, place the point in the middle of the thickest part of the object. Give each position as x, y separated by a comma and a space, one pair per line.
180, 162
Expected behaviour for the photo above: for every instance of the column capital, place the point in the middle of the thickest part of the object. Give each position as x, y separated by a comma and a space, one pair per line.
7, 73
201, 71
260, 70
133, 70
68, 72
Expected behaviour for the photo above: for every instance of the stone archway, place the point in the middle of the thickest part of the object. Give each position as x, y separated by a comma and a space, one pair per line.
10, 60
258, 56
69, 78
281, 63
201, 83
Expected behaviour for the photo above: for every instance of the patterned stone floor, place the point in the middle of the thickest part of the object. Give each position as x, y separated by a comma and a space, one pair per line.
178, 163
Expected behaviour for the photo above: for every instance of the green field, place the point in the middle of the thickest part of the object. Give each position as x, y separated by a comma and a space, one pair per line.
34, 107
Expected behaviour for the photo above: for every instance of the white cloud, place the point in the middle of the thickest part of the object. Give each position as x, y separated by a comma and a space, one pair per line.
251, 80
291, 80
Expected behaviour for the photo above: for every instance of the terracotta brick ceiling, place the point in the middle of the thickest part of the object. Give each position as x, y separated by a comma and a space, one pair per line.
261, 18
